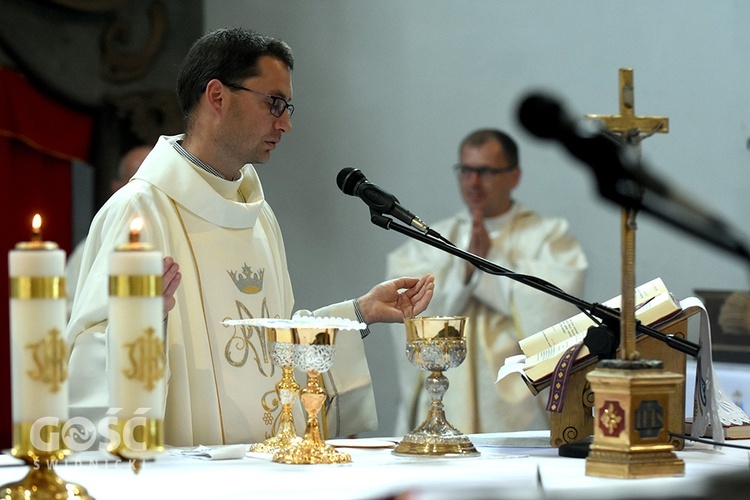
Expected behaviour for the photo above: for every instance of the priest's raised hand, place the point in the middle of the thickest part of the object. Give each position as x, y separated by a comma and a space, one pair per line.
394, 300
170, 280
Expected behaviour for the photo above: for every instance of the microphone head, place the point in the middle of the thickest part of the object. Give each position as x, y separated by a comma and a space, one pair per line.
348, 179
543, 116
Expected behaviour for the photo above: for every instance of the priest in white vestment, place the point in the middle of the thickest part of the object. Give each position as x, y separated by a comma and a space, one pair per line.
203, 206
500, 310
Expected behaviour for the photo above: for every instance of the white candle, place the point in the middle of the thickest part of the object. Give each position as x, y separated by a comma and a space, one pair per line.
137, 372
39, 353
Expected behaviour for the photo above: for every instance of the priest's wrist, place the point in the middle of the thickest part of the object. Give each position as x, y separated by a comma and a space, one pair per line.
366, 331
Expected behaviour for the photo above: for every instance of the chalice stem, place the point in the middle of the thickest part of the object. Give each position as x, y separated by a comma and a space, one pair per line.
436, 385
286, 421
312, 397
288, 390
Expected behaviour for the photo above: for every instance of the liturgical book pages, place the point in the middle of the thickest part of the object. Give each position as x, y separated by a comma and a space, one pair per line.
542, 350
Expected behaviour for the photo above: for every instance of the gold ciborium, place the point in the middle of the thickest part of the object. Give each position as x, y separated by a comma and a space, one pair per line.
283, 350
436, 344
315, 348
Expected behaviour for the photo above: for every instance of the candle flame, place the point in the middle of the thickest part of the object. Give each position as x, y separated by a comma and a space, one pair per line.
135, 229
136, 225
36, 228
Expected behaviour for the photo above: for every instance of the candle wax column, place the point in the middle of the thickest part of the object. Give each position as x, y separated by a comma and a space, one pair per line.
39, 353
137, 371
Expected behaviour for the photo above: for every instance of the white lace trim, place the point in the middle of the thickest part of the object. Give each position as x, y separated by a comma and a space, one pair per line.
299, 322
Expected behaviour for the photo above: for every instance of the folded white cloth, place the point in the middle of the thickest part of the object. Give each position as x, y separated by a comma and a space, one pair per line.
232, 451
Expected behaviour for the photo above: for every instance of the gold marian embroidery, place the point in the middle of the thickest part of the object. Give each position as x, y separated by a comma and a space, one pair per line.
249, 338
271, 404
237, 352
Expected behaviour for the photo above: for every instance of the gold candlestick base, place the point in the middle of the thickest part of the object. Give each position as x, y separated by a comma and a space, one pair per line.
140, 442
311, 449
41, 482
631, 437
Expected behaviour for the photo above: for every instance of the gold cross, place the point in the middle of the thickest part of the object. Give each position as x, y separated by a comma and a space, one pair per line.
632, 129
627, 124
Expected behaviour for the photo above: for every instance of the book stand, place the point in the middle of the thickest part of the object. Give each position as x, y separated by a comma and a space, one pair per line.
576, 422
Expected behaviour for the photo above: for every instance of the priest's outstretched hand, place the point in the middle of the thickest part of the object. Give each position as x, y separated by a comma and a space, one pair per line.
394, 300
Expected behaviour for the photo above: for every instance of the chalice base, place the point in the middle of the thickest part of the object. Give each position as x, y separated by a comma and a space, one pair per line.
436, 437
285, 438
311, 451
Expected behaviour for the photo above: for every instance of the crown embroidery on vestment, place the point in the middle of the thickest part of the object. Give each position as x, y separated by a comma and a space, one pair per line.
247, 281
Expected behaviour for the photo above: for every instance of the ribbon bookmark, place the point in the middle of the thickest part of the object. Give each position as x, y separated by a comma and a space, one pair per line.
559, 380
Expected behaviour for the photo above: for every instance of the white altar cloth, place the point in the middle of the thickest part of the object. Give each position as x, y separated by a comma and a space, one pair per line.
511, 465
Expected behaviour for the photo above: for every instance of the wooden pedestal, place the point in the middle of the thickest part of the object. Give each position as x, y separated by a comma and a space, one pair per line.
576, 421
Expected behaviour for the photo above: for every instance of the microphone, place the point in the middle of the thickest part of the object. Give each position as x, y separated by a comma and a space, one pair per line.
545, 117
622, 177
354, 183
620, 174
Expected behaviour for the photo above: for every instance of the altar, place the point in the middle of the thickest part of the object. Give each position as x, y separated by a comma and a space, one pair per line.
510, 465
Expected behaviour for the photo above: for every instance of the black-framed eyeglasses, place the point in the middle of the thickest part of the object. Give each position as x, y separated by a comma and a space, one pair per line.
278, 104
483, 172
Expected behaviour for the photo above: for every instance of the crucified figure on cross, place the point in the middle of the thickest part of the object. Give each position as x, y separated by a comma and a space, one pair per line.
630, 129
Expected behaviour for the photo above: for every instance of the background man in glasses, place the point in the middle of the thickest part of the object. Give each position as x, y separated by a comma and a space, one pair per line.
500, 310
203, 206
126, 168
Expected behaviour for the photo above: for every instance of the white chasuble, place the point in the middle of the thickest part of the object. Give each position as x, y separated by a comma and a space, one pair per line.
227, 242
237, 281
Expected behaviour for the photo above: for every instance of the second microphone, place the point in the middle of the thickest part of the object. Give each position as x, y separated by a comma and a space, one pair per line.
353, 182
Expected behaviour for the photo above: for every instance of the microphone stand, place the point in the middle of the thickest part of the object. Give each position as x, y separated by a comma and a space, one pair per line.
610, 318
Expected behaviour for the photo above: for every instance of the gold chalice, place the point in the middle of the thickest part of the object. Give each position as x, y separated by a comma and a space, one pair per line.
436, 344
315, 348
283, 350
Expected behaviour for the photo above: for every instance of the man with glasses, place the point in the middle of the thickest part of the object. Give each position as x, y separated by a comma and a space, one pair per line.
126, 168
203, 207
501, 311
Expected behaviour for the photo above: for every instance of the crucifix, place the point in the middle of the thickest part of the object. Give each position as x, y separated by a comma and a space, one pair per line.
630, 391
632, 130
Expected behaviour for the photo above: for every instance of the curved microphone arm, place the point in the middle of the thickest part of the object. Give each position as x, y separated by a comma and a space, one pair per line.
607, 315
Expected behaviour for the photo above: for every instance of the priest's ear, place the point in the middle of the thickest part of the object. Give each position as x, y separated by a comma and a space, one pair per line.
216, 96
514, 177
